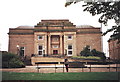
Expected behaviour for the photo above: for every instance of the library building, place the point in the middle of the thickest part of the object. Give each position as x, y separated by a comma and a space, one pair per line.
53, 38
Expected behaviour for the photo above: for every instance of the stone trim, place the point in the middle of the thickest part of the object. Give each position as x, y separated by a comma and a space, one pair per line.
55, 26
61, 30
13, 33
21, 28
89, 32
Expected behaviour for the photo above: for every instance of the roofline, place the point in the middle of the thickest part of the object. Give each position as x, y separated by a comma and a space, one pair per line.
89, 28
21, 28
55, 20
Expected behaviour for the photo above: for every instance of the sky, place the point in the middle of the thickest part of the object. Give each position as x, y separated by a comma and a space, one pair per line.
14, 13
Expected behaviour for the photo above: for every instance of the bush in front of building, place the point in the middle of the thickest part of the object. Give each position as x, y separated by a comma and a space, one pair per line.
98, 54
87, 52
11, 61
84, 57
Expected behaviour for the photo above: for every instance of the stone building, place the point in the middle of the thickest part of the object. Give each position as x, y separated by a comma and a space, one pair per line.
53, 37
114, 49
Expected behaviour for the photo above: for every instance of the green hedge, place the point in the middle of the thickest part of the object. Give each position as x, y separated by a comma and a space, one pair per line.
88, 57
11, 61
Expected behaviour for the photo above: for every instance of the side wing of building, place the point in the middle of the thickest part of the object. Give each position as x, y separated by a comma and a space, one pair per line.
88, 36
21, 39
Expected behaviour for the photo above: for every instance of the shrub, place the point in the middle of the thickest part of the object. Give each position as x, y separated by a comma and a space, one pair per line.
14, 62
88, 57
11, 61
87, 52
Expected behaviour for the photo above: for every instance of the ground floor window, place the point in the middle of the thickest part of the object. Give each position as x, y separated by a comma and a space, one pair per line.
40, 50
70, 50
22, 51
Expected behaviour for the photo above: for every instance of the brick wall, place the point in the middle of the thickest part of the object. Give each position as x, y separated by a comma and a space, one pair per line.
114, 49
23, 41
92, 39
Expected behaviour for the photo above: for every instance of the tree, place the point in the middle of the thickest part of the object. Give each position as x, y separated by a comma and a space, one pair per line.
86, 51
108, 11
98, 54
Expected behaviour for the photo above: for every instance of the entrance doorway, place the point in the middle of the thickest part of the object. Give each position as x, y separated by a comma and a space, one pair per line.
55, 52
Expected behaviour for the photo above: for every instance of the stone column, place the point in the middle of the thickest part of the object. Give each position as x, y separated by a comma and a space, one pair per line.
45, 44
49, 44
61, 50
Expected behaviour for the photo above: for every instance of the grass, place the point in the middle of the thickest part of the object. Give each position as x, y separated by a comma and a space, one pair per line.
89, 57
60, 76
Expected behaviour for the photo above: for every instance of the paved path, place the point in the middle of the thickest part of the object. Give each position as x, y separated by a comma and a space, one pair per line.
52, 70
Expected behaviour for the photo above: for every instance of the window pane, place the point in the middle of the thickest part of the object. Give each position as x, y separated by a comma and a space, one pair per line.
22, 48
69, 46
22, 51
69, 37
55, 51
69, 52
40, 47
55, 39
55, 46
40, 52
40, 37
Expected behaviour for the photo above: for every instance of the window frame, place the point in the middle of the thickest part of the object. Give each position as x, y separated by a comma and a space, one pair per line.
40, 50
55, 47
69, 50
22, 49
38, 37
69, 36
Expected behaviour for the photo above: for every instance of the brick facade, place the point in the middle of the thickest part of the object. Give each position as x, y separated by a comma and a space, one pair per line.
53, 37
114, 49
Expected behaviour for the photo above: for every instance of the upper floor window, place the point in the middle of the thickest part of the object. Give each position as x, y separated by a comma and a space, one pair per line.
69, 37
55, 39
40, 37
55, 46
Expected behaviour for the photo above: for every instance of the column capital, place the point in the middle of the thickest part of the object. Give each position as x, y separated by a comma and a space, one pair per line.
49, 35
61, 35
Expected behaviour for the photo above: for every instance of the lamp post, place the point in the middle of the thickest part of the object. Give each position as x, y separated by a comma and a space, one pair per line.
18, 49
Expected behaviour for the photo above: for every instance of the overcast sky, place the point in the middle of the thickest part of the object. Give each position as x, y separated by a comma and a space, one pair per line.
14, 13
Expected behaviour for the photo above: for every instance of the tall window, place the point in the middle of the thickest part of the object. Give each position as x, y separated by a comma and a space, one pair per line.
70, 48
40, 50
40, 37
69, 37
22, 51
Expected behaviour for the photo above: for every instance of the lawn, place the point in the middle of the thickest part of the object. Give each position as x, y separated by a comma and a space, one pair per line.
60, 76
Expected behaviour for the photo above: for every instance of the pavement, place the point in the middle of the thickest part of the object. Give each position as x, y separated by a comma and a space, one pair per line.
32, 69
